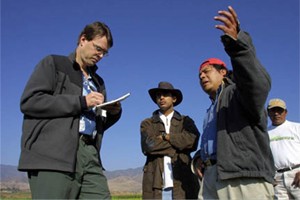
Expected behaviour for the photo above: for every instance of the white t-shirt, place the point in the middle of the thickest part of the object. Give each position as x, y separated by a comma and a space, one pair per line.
285, 144
168, 171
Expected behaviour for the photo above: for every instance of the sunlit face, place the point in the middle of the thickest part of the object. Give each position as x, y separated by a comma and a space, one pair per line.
91, 52
210, 79
165, 101
277, 115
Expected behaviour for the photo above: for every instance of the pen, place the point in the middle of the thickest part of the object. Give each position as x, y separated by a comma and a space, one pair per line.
92, 88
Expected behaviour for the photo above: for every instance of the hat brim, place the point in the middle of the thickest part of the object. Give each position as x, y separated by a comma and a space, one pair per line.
177, 93
276, 106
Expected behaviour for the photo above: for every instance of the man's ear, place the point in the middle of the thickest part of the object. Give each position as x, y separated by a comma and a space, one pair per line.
223, 72
82, 38
174, 99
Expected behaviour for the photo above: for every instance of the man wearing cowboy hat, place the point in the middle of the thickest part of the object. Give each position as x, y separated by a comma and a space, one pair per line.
167, 139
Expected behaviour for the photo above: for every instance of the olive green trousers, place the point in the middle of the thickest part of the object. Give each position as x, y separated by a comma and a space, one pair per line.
88, 182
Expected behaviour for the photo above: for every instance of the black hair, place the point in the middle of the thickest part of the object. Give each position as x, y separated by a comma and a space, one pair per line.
229, 73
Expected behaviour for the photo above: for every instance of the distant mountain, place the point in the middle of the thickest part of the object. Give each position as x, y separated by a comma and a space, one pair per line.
12, 179
125, 181
131, 172
9, 173
119, 181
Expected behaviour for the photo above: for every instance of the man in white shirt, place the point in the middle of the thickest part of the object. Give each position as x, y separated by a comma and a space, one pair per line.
167, 140
285, 145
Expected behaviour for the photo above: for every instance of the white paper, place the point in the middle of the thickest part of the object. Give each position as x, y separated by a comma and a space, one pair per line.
115, 100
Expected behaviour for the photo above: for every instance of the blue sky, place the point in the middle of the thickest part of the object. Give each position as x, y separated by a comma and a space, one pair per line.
154, 40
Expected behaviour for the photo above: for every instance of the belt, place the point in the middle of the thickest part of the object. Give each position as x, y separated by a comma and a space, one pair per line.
209, 162
288, 168
87, 139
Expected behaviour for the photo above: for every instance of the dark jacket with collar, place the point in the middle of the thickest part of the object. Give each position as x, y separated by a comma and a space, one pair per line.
52, 103
242, 138
183, 140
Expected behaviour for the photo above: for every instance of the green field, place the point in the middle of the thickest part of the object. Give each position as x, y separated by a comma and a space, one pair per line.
27, 196
131, 197
16, 195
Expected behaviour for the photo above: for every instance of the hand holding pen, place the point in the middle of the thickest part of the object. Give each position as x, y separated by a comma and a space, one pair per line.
93, 99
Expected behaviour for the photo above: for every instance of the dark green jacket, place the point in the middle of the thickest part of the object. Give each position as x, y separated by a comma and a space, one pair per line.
52, 103
242, 139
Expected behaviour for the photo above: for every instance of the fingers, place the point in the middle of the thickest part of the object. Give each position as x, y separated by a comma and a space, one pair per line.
113, 108
226, 17
296, 182
235, 17
199, 166
230, 22
199, 173
93, 99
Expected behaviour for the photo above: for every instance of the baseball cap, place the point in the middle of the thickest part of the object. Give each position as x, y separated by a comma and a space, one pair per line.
212, 61
276, 103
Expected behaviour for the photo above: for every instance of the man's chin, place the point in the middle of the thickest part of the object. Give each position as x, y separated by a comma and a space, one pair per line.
207, 90
91, 64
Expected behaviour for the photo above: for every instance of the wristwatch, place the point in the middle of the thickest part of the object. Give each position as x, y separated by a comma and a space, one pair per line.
163, 134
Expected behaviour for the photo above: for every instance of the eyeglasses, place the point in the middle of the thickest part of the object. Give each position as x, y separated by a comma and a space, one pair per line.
100, 50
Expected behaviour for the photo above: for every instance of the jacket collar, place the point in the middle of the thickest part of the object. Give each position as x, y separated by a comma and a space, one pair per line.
225, 82
156, 118
72, 57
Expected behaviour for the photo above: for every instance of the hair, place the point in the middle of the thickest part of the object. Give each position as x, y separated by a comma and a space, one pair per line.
229, 73
219, 67
97, 28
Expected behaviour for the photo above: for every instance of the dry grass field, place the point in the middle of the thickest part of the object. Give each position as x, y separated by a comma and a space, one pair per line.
16, 195
27, 196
